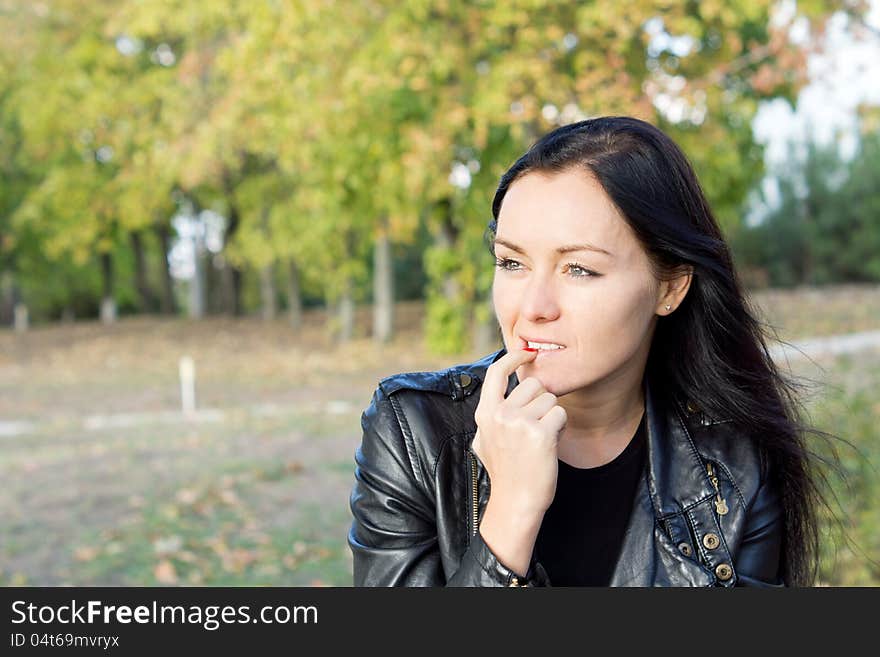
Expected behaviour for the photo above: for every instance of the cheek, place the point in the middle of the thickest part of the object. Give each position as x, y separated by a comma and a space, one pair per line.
617, 317
634, 312
503, 300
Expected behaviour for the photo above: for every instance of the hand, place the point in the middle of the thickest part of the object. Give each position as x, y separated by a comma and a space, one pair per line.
517, 437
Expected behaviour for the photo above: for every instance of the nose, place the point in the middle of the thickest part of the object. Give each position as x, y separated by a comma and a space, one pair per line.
539, 300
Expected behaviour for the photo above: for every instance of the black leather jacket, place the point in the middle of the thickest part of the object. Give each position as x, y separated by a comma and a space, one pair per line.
705, 513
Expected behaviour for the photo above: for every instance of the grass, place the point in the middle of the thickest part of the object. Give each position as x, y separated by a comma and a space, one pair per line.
214, 504
850, 409
260, 496
812, 312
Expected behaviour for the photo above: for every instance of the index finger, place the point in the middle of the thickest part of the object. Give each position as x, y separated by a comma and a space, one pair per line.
499, 372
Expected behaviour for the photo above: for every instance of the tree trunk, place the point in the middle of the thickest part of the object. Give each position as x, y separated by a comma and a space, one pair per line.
487, 336
447, 324
383, 287
294, 296
345, 316
21, 321
108, 303
232, 275
446, 240
198, 287
808, 232
267, 292
8, 298
167, 304
148, 299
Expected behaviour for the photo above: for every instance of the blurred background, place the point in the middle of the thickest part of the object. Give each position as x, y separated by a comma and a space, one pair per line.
221, 223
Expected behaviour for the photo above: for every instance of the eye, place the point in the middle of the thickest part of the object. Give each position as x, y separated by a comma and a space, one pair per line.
505, 264
584, 272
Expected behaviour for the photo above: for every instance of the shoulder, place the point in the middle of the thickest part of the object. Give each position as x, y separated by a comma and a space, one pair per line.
456, 382
736, 454
422, 411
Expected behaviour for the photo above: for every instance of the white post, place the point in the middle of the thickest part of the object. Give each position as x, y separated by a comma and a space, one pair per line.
108, 310
187, 385
21, 318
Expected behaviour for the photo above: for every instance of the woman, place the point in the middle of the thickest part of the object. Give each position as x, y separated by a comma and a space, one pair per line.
634, 429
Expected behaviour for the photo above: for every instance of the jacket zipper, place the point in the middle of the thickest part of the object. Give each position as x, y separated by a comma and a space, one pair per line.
720, 504
474, 497
475, 506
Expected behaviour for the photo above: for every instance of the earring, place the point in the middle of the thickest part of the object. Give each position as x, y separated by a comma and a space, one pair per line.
668, 307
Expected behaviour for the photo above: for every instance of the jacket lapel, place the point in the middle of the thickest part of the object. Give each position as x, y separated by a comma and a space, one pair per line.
674, 479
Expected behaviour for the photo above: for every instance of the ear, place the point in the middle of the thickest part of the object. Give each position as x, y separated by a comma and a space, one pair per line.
673, 291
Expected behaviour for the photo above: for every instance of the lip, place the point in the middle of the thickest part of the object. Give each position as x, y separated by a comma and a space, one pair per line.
525, 343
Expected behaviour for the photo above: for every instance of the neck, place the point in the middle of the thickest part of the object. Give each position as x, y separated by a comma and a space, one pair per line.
600, 423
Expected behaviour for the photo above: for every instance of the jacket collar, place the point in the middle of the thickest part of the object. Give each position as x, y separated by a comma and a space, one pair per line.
675, 479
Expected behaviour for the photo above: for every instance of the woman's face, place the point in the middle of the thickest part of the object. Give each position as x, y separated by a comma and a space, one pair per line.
600, 307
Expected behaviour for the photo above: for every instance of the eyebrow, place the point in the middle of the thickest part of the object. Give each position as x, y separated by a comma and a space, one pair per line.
562, 249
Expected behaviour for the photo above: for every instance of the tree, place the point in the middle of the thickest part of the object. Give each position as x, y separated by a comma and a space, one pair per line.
826, 226
329, 134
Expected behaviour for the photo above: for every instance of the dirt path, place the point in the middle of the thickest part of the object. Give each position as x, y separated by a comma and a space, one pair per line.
832, 345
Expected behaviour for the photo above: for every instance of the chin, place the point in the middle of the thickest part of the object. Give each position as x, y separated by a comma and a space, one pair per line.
550, 382
559, 389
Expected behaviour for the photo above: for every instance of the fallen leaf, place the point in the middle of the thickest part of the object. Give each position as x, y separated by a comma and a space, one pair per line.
187, 496
85, 553
238, 559
165, 573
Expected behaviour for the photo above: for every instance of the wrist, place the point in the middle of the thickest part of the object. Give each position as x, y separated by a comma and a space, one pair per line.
510, 534
497, 572
516, 506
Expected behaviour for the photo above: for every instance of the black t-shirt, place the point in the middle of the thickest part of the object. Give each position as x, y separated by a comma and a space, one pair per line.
582, 531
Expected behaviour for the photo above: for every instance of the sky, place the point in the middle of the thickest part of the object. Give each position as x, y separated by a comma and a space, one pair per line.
845, 75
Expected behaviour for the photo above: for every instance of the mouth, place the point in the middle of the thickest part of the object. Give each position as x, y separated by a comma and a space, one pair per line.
545, 347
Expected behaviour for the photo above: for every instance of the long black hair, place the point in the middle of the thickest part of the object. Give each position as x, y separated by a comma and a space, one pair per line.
713, 347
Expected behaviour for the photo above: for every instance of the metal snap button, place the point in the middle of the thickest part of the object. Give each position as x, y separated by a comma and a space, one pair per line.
465, 380
685, 549
711, 541
724, 572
